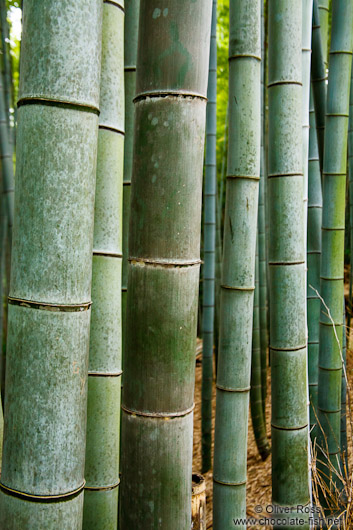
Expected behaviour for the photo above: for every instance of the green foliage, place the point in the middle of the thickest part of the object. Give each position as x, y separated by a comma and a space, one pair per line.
222, 77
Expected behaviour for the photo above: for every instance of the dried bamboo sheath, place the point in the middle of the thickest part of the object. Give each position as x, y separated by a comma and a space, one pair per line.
238, 274
333, 224
164, 250
210, 189
286, 257
104, 372
50, 292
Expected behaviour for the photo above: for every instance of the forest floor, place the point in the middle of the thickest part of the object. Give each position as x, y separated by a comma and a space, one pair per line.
259, 472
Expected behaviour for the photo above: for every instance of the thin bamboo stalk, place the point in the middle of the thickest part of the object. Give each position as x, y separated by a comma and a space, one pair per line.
6, 63
104, 369
42, 475
208, 300
132, 9
6, 162
256, 400
333, 225
323, 6
319, 81
164, 250
238, 270
261, 230
313, 261
344, 446
290, 485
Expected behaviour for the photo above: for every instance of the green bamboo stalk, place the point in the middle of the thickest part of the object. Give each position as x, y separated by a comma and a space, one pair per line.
333, 224
350, 193
3, 248
344, 446
104, 370
323, 6
6, 62
42, 475
238, 270
256, 400
313, 263
132, 8
319, 81
261, 230
208, 301
6, 162
164, 262
290, 485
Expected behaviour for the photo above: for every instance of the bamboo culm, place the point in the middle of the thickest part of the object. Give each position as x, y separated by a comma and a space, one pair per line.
319, 81
256, 399
164, 263
261, 231
132, 9
42, 476
350, 193
104, 369
238, 268
313, 264
290, 436
333, 225
208, 300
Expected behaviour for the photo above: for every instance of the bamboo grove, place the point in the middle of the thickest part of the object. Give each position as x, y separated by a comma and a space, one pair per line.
176, 264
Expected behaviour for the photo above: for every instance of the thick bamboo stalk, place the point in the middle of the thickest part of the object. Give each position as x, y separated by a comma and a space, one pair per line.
256, 400
313, 261
49, 305
333, 225
238, 271
290, 485
104, 371
208, 300
132, 9
164, 250
261, 229
350, 194
319, 81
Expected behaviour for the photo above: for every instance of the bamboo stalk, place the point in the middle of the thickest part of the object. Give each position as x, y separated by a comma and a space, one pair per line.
344, 446
323, 6
290, 485
319, 81
238, 269
132, 8
208, 301
350, 193
164, 262
313, 261
256, 400
333, 224
261, 231
6, 162
104, 371
42, 475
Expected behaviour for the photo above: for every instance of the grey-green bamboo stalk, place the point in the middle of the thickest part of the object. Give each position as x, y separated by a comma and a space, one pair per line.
132, 9
256, 398
290, 437
238, 269
210, 195
333, 225
261, 229
42, 475
104, 369
164, 262
319, 81
323, 6
313, 263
